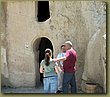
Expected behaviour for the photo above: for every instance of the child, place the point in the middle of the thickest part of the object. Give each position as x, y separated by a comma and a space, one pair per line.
50, 71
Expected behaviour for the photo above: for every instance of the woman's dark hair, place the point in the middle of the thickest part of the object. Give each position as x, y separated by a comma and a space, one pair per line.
48, 53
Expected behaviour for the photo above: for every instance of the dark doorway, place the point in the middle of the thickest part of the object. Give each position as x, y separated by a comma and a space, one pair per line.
44, 43
43, 11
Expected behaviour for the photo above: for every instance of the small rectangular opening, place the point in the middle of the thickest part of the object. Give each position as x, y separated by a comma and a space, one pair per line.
43, 11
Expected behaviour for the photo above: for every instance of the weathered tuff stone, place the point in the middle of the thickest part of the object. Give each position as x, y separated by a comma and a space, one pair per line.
95, 63
77, 21
95, 68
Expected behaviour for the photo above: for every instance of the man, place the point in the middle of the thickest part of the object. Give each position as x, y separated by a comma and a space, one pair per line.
60, 67
69, 61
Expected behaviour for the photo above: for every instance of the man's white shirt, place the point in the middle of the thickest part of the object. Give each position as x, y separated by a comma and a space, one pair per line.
61, 62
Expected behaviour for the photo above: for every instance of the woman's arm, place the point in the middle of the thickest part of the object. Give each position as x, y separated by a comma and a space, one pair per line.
41, 69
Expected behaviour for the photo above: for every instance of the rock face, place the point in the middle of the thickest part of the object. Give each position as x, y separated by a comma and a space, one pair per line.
95, 62
95, 59
82, 22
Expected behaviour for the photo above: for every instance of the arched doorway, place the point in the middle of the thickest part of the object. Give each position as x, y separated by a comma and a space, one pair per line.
39, 46
44, 43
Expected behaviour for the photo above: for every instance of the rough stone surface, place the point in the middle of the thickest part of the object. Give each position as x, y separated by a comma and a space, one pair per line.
82, 22
95, 68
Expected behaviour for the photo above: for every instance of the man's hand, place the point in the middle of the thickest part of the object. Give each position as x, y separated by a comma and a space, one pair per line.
54, 60
75, 68
61, 68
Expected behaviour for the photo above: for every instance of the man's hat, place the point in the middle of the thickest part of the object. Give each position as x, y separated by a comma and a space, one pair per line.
68, 42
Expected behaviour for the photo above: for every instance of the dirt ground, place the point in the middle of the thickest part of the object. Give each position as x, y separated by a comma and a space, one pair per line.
38, 90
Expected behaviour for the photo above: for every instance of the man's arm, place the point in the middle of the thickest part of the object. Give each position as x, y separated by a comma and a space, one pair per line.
61, 67
56, 69
59, 59
65, 57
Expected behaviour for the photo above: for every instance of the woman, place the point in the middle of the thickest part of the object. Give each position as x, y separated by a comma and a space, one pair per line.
50, 71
